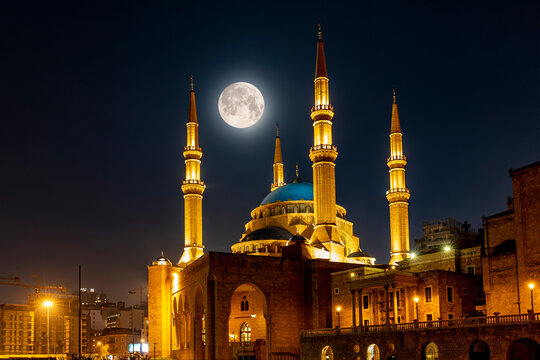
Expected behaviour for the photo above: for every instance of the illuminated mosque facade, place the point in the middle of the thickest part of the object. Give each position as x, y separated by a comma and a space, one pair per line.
253, 302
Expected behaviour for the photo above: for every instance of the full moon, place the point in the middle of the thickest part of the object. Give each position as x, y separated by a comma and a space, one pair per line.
241, 105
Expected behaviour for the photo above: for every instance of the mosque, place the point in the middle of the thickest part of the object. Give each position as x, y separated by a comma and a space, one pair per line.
252, 303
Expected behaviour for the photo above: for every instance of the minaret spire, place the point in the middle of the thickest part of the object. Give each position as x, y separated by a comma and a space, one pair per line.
323, 153
398, 195
278, 164
192, 187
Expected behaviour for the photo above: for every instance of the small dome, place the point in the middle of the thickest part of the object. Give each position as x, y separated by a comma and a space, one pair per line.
296, 239
359, 254
268, 233
162, 260
293, 191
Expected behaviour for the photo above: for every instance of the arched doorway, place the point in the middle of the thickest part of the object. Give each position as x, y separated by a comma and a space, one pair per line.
178, 323
431, 351
373, 352
199, 326
327, 353
247, 323
524, 349
479, 351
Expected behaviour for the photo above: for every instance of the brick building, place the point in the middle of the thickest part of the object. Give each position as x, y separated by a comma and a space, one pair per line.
511, 256
16, 329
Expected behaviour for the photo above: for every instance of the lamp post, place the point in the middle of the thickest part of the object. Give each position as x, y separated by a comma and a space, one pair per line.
416, 306
338, 308
47, 305
531, 286
154, 351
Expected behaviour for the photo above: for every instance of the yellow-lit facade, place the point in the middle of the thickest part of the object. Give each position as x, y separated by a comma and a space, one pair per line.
398, 195
192, 187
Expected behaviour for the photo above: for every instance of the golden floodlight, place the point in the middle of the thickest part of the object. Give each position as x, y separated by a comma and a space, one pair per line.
416, 299
48, 303
338, 308
531, 286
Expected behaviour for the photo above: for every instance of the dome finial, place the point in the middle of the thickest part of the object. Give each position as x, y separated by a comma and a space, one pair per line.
191, 80
161, 253
394, 94
297, 172
277, 130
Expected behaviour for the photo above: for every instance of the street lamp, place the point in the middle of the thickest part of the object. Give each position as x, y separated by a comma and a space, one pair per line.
338, 308
447, 248
47, 305
416, 305
531, 286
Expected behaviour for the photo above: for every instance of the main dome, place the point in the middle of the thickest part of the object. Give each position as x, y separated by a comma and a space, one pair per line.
293, 191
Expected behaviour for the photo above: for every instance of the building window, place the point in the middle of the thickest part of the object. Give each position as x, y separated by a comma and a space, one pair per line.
432, 352
464, 291
336, 291
327, 353
428, 294
366, 322
365, 302
450, 294
245, 333
244, 304
450, 316
429, 317
470, 270
373, 352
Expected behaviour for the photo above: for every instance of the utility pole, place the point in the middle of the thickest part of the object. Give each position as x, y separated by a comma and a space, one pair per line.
80, 313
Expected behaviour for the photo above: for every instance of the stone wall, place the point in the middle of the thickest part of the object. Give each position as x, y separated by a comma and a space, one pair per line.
452, 343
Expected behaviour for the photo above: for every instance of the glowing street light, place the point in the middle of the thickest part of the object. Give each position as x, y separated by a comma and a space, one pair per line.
416, 299
48, 305
413, 255
338, 309
447, 248
531, 286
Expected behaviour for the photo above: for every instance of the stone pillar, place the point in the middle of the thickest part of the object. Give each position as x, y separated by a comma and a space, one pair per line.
360, 308
387, 304
406, 302
395, 303
353, 292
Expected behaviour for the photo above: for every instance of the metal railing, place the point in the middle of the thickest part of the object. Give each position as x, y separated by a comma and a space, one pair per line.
436, 324
323, 146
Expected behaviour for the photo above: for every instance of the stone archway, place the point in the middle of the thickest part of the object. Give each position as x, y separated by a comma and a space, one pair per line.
373, 352
524, 349
327, 353
248, 328
199, 330
479, 351
431, 352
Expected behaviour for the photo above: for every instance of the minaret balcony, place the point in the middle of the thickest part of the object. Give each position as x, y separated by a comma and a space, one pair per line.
192, 152
192, 182
396, 162
398, 194
323, 152
192, 148
324, 147
193, 187
322, 112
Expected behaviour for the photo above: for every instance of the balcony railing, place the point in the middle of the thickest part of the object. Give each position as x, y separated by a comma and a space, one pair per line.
193, 182
397, 190
438, 324
322, 107
323, 147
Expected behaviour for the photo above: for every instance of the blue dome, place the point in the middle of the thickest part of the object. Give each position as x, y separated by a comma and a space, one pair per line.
292, 191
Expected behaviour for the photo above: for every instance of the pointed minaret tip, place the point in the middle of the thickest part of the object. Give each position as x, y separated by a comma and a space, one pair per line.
277, 130
320, 31
191, 81
297, 171
320, 65
394, 95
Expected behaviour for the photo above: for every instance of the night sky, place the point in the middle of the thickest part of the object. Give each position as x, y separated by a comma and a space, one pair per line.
94, 101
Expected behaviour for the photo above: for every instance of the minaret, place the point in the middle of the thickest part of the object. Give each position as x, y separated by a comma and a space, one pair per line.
192, 187
278, 164
323, 153
398, 195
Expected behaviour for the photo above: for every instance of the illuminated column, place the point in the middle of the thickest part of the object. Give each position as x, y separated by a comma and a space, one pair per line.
192, 187
398, 195
160, 275
323, 154
278, 164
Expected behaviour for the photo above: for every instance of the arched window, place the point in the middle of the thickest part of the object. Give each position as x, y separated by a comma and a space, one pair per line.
373, 352
245, 333
432, 351
327, 353
244, 304
524, 349
479, 351
308, 209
